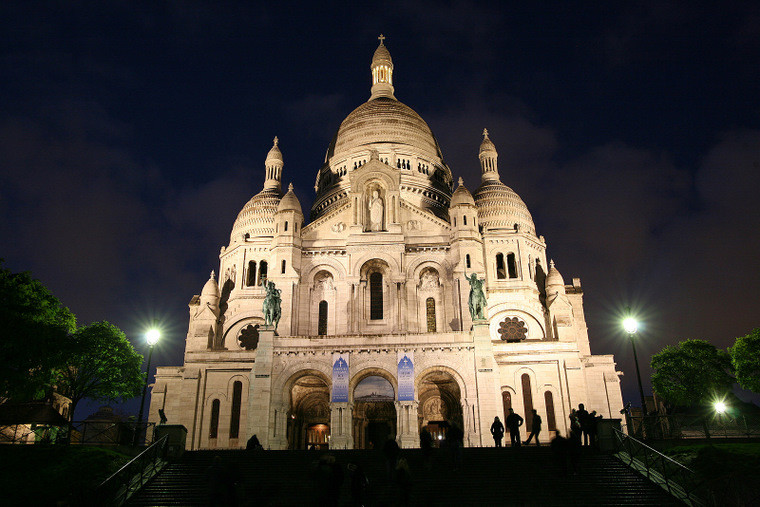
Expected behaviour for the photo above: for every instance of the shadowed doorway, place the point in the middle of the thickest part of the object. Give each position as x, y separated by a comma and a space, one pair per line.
374, 413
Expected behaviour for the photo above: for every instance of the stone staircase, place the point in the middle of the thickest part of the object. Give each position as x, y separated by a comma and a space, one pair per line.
484, 477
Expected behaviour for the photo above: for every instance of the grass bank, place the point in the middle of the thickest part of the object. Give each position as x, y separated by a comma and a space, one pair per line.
729, 471
45, 475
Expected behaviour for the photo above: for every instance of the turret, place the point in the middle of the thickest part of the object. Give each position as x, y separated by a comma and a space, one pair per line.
488, 159
273, 166
382, 72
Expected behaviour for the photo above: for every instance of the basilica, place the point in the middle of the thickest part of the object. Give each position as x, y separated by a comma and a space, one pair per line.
375, 335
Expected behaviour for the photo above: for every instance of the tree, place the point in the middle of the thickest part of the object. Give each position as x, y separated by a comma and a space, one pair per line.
745, 357
103, 365
691, 372
35, 330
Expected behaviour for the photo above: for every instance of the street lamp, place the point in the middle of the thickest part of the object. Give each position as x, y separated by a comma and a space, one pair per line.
151, 337
631, 326
720, 407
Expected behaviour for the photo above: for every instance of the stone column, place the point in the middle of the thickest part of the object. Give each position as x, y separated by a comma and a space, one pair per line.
260, 394
487, 377
407, 432
279, 426
341, 420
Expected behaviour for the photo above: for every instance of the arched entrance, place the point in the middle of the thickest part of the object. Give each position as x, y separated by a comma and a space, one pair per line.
309, 421
374, 412
440, 403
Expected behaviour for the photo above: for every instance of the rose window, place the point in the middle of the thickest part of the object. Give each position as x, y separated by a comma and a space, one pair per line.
513, 330
249, 337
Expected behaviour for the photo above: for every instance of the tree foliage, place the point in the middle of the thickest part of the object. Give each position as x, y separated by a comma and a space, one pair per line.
34, 341
745, 357
103, 366
691, 372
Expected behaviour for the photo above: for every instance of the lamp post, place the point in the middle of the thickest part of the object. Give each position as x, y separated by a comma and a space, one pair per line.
151, 337
631, 326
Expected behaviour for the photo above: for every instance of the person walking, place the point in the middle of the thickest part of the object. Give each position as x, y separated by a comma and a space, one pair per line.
514, 421
535, 428
497, 431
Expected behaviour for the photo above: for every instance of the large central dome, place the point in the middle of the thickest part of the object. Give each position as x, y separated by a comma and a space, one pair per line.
383, 120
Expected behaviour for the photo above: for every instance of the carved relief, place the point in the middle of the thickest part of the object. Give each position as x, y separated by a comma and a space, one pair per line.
429, 279
338, 227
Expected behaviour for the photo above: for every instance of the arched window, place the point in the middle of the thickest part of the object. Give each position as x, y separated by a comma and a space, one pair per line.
213, 430
501, 272
506, 400
286, 226
322, 326
251, 279
551, 421
283, 267
263, 273
512, 265
376, 296
527, 400
430, 311
237, 395
467, 260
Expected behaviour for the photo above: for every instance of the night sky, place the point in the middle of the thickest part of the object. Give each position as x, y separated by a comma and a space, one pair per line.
132, 133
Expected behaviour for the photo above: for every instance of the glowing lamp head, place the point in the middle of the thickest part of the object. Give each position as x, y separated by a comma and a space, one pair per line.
630, 325
152, 336
720, 407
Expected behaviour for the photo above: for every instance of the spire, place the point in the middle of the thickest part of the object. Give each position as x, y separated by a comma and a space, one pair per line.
382, 72
488, 158
273, 165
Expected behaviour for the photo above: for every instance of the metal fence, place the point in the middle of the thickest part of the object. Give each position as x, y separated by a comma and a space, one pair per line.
663, 427
79, 433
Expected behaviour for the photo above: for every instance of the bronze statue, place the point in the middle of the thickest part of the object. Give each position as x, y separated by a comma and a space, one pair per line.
477, 301
272, 301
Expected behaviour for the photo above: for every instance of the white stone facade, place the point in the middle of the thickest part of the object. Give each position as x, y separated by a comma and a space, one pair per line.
380, 267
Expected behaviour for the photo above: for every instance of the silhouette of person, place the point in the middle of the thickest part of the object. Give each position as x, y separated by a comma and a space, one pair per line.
583, 420
514, 421
426, 444
575, 427
535, 428
497, 430
253, 444
359, 483
391, 451
455, 441
560, 447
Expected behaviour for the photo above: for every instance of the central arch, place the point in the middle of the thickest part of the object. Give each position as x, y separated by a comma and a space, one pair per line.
374, 414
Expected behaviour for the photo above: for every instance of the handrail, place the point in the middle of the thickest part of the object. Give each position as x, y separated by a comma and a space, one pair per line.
117, 489
674, 477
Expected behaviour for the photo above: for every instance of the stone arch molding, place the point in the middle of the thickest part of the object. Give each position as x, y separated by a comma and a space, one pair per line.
389, 259
498, 315
330, 265
463, 392
229, 339
443, 267
283, 383
374, 171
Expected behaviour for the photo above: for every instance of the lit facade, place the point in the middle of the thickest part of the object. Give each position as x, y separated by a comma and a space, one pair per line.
377, 272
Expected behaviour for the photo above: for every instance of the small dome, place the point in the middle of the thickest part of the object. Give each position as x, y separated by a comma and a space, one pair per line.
289, 202
554, 280
274, 155
462, 196
382, 55
257, 216
487, 146
210, 290
500, 207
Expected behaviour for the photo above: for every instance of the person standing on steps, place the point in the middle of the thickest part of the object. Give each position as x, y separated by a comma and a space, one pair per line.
514, 421
535, 428
582, 414
497, 431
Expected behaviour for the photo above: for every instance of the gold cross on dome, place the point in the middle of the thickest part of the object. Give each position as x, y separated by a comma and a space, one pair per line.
381, 39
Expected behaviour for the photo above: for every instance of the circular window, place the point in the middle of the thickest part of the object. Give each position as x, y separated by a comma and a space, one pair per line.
513, 330
249, 337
